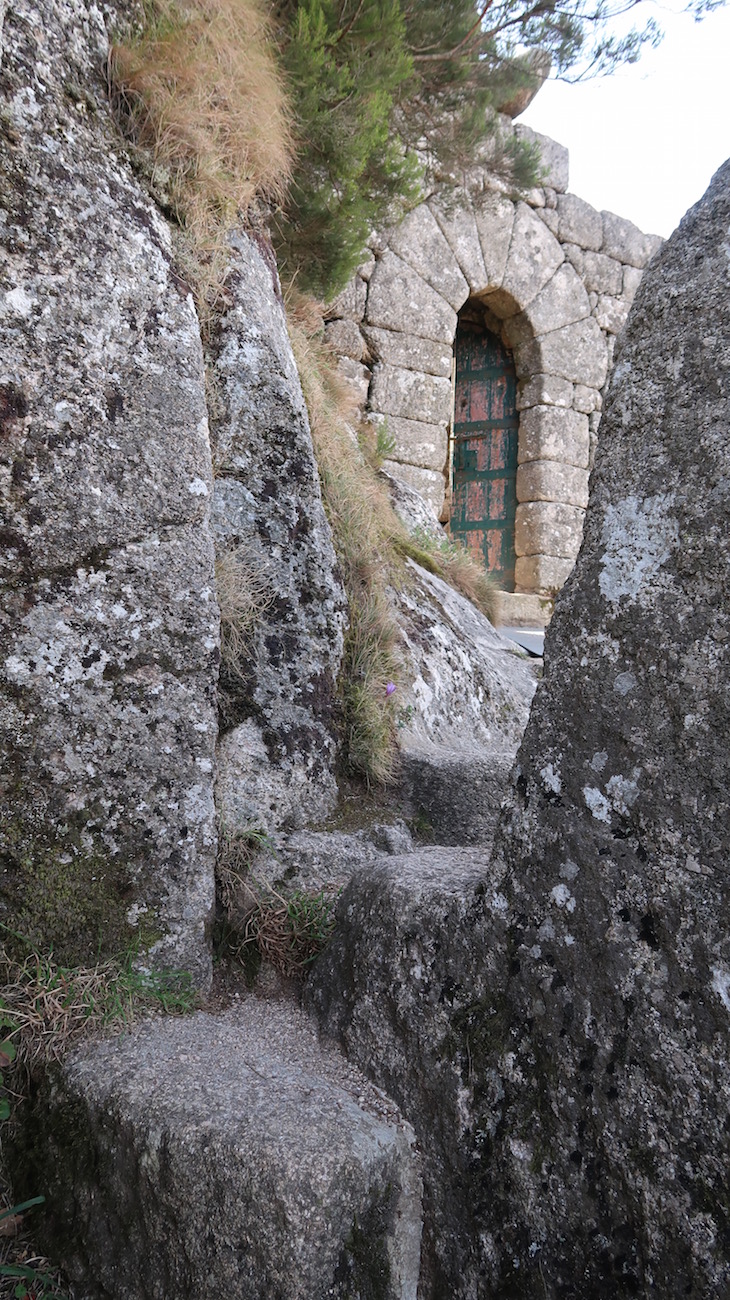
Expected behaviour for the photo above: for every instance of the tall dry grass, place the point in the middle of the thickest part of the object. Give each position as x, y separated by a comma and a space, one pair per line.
199, 89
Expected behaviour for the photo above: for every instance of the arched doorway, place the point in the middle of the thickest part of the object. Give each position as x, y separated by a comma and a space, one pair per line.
485, 433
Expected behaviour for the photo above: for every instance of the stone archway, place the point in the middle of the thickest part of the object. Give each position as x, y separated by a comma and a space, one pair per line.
453, 249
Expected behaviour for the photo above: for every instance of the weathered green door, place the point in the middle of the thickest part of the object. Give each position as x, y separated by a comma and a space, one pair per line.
485, 450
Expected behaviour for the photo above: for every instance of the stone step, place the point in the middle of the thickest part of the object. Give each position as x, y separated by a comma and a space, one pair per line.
225, 1155
455, 795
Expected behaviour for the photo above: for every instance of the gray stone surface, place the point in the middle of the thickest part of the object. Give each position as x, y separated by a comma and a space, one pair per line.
455, 796
325, 860
579, 223
429, 483
419, 241
395, 348
562, 302
550, 434
549, 480
278, 751
542, 573
463, 684
533, 258
494, 216
412, 509
350, 304
602, 274
108, 621
566, 1063
555, 158
544, 390
345, 338
398, 296
548, 528
395, 391
624, 241
611, 313
227, 1155
418, 443
577, 352
459, 227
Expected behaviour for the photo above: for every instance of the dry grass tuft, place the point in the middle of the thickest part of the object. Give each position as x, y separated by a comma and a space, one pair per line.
364, 526
46, 1008
448, 559
244, 595
199, 89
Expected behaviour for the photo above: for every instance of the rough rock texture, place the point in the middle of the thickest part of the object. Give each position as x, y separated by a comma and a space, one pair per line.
226, 1155
558, 1033
276, 756
108, 620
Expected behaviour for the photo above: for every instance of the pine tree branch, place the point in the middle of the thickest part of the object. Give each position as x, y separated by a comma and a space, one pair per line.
422, 56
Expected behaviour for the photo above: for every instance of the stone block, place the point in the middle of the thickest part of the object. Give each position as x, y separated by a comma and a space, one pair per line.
576, 256
562, 302
602, 274
418, 443
551, 219
345, 338
577, 352
458, 224
631, 281
548, 528
400, 299
494, 217
409, 351
430, 484
459, 794
549, 480
350, 304
611, 313
555, 158
586, 399
419, 241
357, 376
544, 390
624, 241
551, 198
395, 391
542, 574
227, 1155
579, 223
550, 433
533, 258
518, 609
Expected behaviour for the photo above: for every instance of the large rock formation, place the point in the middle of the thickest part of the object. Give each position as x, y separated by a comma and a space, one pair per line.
277, 752
108, 618
557, 1032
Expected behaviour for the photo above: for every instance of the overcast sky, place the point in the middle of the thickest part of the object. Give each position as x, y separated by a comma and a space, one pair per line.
645, 142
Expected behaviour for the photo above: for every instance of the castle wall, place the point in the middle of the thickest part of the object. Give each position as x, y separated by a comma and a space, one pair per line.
554, 279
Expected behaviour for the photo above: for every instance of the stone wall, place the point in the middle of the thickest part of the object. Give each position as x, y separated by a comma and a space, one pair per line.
555, 279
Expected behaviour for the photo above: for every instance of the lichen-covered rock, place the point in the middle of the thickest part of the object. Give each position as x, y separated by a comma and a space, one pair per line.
108, 620
276, 757
557, 1032
226, 1155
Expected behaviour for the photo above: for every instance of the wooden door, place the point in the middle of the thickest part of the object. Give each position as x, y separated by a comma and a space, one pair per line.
485, 450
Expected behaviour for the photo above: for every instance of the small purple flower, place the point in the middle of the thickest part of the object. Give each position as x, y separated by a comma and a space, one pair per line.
390, 688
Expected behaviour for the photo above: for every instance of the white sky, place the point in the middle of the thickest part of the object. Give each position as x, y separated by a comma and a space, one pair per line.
646, 141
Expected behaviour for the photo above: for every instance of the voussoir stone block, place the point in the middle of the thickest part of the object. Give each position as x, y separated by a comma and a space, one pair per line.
602, 274
420, 242
409, 351
542, 574
534, 256
548, 528
624, 241
579, 223
494, 217
548, 433
227, 1155
544, 390
400, 299
395, 391
548, 480
577, 352
418, 443
562, 302
459, 227
430, 484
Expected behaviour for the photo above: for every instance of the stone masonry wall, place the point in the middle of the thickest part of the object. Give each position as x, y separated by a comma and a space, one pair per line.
552, 276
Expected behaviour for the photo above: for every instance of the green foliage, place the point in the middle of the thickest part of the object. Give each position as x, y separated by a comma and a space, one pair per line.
347, 64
